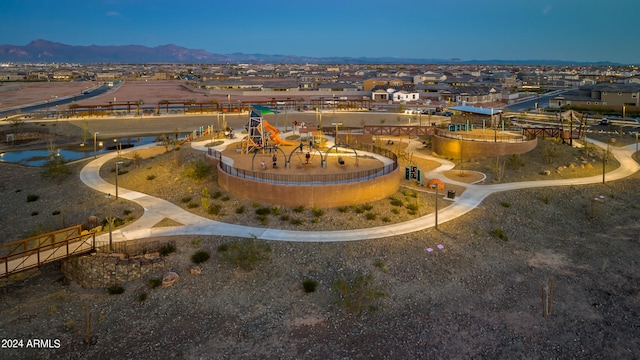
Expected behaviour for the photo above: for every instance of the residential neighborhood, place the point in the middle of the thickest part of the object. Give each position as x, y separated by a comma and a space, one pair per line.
418, 87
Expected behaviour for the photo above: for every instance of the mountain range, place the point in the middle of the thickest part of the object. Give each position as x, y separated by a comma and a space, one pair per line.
55, 52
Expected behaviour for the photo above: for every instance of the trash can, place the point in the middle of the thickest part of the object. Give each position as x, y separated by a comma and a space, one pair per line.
451, 194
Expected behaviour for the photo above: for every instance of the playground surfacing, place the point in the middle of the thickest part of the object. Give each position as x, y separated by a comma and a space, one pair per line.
298, 161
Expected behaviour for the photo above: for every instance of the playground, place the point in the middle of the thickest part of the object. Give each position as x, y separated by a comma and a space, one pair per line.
307, 169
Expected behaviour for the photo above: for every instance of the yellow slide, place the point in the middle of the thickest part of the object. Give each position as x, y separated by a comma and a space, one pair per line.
274, 131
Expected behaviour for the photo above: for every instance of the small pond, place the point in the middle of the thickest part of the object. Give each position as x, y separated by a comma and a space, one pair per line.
39, 157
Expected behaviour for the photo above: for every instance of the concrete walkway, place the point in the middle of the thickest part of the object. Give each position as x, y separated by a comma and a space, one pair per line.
156, 209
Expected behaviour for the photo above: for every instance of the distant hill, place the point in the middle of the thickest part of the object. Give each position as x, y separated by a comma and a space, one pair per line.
55, 52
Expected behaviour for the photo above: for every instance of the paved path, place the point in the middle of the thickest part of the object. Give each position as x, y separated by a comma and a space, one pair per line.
156, 209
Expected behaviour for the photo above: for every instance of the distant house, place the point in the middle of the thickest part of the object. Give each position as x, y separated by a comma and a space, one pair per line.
405, 96
109, 76
471, 95
395, 95
371, 84
343, 87
280, 86
609, 95
231, 84
429, 78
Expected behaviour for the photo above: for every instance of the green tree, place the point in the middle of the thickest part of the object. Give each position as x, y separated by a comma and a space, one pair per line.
56, 168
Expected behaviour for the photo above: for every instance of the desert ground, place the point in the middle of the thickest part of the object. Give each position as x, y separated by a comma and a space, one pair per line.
473, 289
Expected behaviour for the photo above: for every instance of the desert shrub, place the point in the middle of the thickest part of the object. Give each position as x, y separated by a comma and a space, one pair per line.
200, 256
167, 249
126, 211
413, 206
214, 209
500, 234
317, 212
309, 285
216, 195
505, 204
395, 211
284, 217
296, 222
358, 293
276, 210
264, 220
192, 205
34, 213
223, 247
385, 219
515, 161
379, 263
196, 242
357, 209
154, 283
142, 297
115, 290
186, 199
263, 211
240, 210
343, 209
55, 212
371, 216
367, 207
246, 253
550, 151
396, 202
198, 170
151, 177
225, 198
298, 209
32, 197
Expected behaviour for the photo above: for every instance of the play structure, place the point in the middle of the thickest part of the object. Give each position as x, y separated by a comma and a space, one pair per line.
261, 134
308, 172
195, 133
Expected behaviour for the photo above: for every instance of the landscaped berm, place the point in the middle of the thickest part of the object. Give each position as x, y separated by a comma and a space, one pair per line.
304, 170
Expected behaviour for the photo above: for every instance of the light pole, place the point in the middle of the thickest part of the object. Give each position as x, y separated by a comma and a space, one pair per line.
435, 185
95, 147
117, 173
108, 197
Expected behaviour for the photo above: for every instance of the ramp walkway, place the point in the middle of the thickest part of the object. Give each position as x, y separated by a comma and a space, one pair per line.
43, 249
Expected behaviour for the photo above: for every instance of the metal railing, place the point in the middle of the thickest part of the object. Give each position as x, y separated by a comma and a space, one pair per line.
490, 135
21, 255
316, 179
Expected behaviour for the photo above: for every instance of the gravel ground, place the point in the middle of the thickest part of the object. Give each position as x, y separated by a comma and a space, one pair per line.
472, 289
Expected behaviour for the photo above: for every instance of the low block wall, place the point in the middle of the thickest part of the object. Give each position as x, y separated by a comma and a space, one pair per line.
101, 271
321, 196
449, 147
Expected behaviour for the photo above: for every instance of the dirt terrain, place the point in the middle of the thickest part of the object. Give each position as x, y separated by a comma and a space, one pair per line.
471, 289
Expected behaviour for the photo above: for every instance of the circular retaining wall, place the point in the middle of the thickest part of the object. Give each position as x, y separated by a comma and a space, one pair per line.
448, 147
321, 196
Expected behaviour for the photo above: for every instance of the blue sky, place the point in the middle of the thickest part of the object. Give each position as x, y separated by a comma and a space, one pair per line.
574, 30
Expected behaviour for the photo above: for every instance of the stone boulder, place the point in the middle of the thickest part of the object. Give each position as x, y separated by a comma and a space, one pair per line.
195, 270
169, 278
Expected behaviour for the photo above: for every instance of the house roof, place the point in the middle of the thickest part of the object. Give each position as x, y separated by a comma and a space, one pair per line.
475, 110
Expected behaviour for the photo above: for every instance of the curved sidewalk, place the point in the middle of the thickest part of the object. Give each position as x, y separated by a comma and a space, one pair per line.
155, 209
